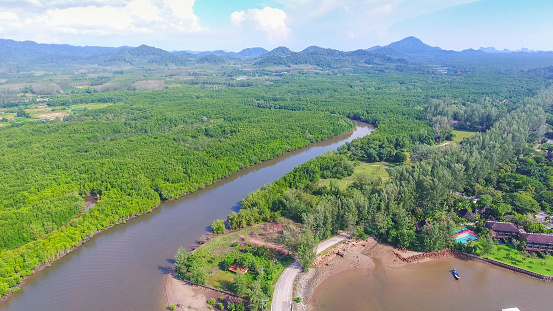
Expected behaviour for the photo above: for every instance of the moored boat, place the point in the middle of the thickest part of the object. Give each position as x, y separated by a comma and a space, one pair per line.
455, 274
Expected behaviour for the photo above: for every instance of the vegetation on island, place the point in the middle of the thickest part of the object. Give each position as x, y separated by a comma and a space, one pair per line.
256, 255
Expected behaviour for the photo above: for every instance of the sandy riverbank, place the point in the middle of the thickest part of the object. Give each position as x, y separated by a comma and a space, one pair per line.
186, 296
356, 255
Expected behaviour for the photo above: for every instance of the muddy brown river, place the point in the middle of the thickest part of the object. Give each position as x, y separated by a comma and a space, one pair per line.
430, 286
124, 267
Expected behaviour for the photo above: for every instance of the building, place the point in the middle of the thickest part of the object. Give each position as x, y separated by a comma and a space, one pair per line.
535, 242
419, 225
504, 230
466, 214
538, 242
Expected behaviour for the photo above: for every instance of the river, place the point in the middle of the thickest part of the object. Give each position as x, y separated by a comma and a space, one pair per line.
430, 286
124, 267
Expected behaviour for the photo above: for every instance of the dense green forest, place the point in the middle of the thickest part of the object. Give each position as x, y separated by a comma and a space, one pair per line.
498, 166
151, 146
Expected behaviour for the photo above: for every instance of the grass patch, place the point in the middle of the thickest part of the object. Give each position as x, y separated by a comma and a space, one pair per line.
221, 279
212, 257
507, 253
89, 106
378, 169
458, 136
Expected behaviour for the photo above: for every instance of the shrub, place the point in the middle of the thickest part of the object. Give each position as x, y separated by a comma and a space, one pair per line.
229, 260
211, 301
240, 306
218, 226
172, 307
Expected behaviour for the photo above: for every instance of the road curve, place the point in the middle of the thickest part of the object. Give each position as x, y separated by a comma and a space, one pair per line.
284, 288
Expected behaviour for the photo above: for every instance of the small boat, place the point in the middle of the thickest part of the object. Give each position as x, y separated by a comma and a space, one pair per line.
455, 274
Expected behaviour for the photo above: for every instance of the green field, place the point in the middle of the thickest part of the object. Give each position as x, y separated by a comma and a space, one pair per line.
214, 252
378, 169
458, 136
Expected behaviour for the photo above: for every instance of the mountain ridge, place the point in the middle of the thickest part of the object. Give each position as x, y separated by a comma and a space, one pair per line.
409, 49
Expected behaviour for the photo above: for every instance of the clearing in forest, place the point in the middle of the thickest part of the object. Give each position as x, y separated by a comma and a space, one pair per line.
378, 169
458, 136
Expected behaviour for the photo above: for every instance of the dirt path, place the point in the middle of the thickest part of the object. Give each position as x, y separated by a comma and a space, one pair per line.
278, 248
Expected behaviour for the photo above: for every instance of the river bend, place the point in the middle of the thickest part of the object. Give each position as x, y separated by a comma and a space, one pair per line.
124, 267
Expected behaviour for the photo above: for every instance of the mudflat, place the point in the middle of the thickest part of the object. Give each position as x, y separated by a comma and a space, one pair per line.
359, 255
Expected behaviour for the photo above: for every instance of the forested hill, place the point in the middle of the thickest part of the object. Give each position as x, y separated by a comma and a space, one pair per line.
414, 50
410, 49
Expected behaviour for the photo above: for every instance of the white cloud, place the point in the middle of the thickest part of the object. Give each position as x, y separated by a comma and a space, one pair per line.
237, 18
89, 19
8, 16
183, 15
182, 8
384, 9
52, 18
144, 9
268, 20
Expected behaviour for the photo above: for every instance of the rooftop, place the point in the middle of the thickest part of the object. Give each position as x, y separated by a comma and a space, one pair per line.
236, 268
502, 226
539, 238
466, 214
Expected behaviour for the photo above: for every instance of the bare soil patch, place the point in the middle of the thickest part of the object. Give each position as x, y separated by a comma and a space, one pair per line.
190, 297
51, 115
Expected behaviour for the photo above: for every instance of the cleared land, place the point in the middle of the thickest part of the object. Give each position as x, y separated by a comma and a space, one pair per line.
458, 136
378, 169
214, 251
51, 115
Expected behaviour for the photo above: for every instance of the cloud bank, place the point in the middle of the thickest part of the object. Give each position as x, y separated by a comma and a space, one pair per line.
270, 21
233, 25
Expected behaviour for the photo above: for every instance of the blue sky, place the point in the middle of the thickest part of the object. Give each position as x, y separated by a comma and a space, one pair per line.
233, 25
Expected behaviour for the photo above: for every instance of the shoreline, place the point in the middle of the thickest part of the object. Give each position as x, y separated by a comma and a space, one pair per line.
186, 296
362, 255
43, 266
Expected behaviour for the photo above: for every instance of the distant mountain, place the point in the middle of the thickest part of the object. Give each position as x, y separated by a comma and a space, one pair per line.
414, 50
211, 58
145, 54
281, 51
253, 52
409, 47
326, 58
412, 45
493, 50
388, 51
146, 50
29, 51
407, 50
